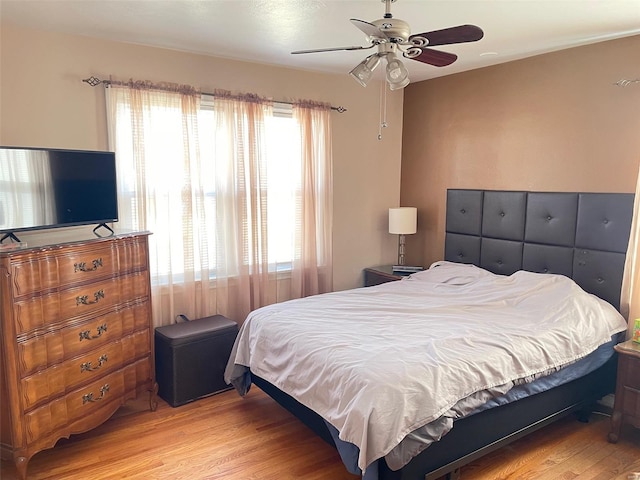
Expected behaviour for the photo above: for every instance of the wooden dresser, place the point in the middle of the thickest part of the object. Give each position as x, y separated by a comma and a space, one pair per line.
75, 341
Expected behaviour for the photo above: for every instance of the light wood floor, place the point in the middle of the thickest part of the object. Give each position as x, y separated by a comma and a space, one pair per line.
227, 437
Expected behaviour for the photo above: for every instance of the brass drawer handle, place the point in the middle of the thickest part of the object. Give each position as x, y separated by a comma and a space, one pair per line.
82, 266
84, 299
88, 397
87, 367
86, 334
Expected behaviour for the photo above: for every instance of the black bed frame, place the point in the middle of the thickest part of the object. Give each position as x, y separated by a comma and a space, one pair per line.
581, 235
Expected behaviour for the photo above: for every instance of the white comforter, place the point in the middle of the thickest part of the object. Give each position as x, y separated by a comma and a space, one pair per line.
379, 362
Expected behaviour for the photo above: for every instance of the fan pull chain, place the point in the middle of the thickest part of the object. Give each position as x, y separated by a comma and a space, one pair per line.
383, 108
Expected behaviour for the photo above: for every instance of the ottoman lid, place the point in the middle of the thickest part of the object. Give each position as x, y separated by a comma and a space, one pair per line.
182, 332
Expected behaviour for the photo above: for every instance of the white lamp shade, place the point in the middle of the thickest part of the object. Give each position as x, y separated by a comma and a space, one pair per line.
403, 220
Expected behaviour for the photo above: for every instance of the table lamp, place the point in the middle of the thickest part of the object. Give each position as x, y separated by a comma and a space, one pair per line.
402, 221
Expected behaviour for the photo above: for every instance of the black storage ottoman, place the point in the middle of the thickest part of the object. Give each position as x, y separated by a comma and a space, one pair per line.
191, 358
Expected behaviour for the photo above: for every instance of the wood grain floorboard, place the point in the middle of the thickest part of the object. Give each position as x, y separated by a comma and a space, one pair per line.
253, 438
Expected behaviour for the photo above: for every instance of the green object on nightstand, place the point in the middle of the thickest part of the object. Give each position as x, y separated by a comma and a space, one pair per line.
635, 332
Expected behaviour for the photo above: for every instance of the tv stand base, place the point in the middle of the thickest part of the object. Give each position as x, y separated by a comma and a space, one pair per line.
107, 227
11, 236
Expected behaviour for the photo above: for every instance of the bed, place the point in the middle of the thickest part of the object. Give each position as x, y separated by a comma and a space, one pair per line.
492, 236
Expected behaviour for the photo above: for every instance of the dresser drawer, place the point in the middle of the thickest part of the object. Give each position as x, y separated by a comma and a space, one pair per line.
55, 346
87, 265
73, 303
55, 381
631, 403
70, 413
34, 273
132, 254
632, 372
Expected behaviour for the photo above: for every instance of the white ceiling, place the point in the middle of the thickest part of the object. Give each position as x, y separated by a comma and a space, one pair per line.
266, 31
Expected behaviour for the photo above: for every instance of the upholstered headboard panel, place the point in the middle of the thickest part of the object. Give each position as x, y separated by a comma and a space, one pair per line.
581, 235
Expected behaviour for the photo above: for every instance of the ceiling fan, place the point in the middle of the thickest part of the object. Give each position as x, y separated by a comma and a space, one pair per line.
392, 35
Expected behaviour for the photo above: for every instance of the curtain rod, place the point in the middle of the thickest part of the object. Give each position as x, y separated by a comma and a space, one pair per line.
95, 81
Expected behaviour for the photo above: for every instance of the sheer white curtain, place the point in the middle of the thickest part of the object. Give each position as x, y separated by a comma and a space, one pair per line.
312, 272
241, 203
196, 175
630, 295
154, 134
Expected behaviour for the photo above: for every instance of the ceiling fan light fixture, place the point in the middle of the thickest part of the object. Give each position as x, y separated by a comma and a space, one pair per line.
391, 35
363, 72
397, 74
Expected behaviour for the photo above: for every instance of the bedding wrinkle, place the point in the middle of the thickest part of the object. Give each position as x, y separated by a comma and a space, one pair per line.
377, 363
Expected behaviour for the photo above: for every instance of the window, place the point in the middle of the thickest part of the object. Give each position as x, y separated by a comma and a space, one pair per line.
283, 177
176, 184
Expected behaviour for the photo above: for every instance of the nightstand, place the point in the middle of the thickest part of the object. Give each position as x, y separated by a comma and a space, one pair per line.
381, 274
627, 402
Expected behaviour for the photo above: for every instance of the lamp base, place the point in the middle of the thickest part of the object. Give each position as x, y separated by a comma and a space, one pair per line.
401, 240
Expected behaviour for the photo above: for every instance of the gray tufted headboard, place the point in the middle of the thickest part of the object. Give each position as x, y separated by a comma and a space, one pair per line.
581, 235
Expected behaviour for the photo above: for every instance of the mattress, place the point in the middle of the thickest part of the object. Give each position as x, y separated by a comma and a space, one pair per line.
378, 363
421, 439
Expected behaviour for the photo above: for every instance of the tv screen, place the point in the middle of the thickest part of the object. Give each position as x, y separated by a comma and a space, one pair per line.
47, 188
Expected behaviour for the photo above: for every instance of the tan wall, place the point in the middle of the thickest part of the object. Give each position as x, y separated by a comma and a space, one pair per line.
553, 122
44, 103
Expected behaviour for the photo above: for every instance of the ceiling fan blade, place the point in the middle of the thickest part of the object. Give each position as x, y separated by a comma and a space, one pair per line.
318, 50
436, 58
369, 29
447, 36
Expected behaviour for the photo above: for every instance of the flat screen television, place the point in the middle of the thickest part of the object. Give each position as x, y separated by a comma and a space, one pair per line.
47, 188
